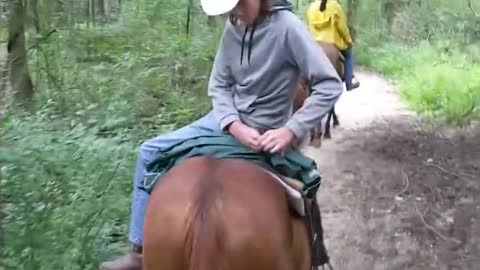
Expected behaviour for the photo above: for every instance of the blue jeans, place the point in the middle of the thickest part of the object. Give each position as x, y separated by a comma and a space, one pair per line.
348, 70
148, 149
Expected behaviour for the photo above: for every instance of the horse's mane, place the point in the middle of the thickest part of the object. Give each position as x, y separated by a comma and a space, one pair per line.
204, 237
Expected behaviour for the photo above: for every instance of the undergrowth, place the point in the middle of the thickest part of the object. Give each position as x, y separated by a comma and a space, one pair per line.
65, 194
67, 164
434, 78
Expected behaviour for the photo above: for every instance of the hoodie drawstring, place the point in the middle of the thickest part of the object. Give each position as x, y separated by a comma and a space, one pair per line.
250, 43
277, 5
243, 44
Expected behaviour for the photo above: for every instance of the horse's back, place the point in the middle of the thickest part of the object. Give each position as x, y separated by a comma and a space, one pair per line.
302, 86
334, 55
330, 49
218, 213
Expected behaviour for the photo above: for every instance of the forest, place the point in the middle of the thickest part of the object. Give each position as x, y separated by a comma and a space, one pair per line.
84, 82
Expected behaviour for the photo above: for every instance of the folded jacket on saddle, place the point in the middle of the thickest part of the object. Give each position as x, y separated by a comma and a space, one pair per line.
292, 164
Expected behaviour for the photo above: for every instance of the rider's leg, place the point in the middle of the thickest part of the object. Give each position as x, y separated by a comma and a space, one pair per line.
349, 82
148, 149
147, 152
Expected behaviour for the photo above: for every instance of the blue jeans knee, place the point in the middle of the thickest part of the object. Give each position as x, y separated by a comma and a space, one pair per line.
148, 149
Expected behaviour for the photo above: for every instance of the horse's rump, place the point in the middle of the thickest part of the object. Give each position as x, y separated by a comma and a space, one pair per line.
303, 85
302, 88
336, 59
334, 55
222, 214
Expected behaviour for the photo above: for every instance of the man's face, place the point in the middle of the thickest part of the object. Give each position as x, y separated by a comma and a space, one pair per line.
247, 11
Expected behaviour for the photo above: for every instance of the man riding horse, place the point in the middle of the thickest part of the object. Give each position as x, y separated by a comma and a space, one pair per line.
264, 48
328, 24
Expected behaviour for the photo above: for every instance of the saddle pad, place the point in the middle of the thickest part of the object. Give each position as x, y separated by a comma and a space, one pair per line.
294, 195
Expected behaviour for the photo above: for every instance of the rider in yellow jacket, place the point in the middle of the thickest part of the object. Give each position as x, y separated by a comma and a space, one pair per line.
328, 23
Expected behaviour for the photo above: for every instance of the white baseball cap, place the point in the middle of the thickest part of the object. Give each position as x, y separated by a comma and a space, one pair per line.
218, 7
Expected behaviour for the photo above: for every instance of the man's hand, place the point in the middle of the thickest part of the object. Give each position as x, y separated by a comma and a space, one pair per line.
245, 134
276, 140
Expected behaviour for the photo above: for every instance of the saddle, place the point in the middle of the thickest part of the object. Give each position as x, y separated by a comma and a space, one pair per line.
307, 208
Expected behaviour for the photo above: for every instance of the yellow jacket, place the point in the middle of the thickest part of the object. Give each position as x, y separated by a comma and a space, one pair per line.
329, 25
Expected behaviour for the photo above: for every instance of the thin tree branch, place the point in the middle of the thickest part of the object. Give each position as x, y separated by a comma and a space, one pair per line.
472, 9
36, 45
42, 39
433, 229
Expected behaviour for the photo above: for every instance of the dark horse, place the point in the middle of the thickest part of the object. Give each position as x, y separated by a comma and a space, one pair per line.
303, 91
222, 214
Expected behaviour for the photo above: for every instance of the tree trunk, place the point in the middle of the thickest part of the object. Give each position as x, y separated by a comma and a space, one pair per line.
389, 11
101, 8
352, 6
211, 21
90, 13
17, 54
87, 13
36, 17
92, 5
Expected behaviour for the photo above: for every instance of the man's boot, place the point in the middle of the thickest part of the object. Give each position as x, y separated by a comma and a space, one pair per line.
355, 84
130, 261
314, 227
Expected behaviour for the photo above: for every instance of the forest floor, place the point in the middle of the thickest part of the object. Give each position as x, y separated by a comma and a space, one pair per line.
398, 193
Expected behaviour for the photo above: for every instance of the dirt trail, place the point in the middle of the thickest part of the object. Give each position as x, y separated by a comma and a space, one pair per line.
394, 195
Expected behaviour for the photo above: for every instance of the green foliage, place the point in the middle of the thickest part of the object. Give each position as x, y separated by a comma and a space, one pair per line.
65, 194
101, 90
431, 49
139, 71
435, 79
448, 90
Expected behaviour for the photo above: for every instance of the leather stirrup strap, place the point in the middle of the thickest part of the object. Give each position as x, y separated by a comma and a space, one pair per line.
315, 230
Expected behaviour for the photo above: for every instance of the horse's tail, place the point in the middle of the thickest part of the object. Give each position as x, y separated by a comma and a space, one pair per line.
207, 230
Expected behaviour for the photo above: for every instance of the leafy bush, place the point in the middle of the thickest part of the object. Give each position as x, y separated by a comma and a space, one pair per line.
447, 90
67, 165
434, 78
65, 192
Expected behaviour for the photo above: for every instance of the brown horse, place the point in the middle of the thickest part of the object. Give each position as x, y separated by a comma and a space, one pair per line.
303, 91
212, 214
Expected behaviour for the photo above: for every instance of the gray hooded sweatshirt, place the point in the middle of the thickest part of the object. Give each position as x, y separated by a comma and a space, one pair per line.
256, 69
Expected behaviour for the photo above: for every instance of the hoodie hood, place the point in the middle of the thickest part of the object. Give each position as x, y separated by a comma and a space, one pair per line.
276, 5
281, 5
